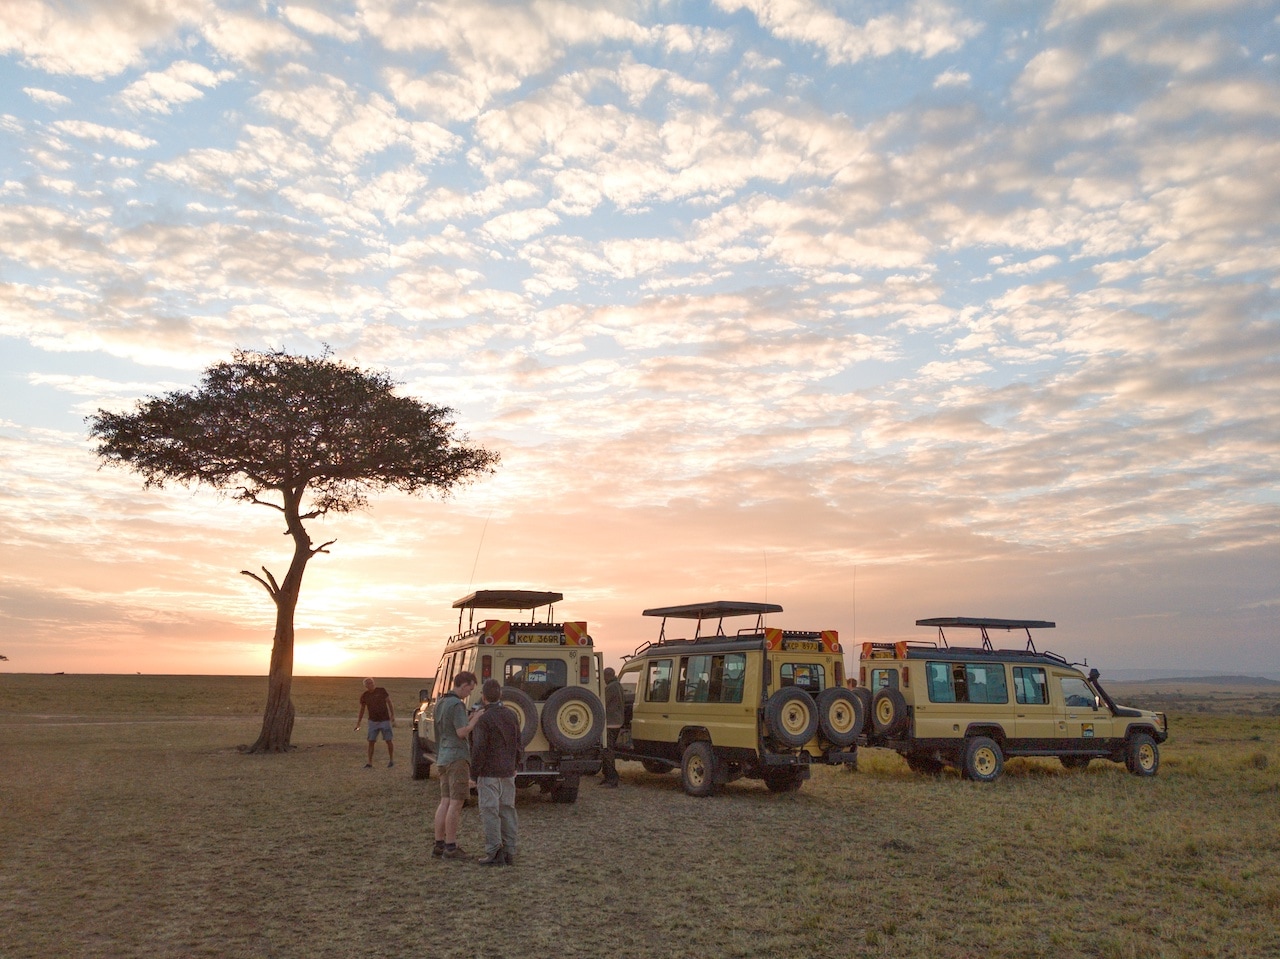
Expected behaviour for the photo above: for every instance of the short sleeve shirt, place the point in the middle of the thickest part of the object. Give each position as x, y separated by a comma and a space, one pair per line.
376, 701
450, 715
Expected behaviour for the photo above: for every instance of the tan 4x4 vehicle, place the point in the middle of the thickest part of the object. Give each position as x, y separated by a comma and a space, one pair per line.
551, 678
970, 707
763, 702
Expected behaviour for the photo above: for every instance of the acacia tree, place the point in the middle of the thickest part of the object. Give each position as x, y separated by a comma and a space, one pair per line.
305, 436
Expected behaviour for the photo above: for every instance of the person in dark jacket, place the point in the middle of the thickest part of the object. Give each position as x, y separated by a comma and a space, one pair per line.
495, 753
614, 712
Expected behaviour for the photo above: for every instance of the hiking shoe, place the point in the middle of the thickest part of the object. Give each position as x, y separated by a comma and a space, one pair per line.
437, 851
457, 852
391, 763
610, 783
493, 859
508, 857
368, 765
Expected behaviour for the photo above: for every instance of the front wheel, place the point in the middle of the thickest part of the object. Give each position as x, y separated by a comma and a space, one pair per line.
1142, 755
421, 765
698, 769
983, 759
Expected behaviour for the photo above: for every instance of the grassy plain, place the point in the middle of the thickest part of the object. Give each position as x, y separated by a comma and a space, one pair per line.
133, 827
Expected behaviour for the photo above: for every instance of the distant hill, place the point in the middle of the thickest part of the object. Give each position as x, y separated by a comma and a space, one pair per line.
1204, 680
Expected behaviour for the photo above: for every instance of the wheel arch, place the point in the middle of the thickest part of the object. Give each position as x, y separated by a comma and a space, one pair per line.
990, 730
691, 734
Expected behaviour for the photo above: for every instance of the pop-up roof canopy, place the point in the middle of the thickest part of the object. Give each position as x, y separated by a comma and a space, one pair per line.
979, 622
507, 599
715, 610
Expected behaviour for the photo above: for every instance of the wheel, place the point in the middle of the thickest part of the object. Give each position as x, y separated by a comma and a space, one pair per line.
420, 763
1142, 755
573, 719
520, 703
783, 781
698, 769
791, 717
983, 760
920, 763
565, 790
864, 697
655, 767
1075, 762
840, 716
889, 713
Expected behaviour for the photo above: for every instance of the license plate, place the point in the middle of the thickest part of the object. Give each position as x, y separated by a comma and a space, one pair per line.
542, 638
804, 645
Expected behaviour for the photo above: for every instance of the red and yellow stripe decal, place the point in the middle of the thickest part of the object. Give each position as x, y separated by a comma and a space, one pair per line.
496, 632
772, 637
575, 634
831, 640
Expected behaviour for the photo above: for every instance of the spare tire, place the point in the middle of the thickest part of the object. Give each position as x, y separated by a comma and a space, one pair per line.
864, 697
889, 712
840, 716
573, 719
790, 717
521, 703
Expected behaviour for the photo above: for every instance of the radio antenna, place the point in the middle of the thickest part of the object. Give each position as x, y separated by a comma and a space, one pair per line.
475, 561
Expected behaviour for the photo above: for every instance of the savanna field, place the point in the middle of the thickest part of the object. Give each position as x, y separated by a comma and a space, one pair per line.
132, 826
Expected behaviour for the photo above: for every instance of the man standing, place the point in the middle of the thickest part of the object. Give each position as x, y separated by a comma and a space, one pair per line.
453, 760
382, 716
614, 712
495, 754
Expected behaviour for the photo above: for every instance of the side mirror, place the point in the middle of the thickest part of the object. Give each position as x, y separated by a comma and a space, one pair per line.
424, 695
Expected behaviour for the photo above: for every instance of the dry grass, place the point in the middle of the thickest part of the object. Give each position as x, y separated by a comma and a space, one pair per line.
158, 839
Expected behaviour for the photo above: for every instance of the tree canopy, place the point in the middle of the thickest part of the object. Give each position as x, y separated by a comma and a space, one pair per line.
315, 433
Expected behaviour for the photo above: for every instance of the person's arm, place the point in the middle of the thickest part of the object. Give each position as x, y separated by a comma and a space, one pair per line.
361, 716
391, 711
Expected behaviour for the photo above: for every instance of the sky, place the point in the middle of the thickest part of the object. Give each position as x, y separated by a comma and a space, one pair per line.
878, 311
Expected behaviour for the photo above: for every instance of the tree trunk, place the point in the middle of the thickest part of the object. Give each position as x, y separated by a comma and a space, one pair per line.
277, 718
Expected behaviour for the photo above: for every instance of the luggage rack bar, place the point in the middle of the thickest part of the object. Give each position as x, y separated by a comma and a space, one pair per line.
984, 624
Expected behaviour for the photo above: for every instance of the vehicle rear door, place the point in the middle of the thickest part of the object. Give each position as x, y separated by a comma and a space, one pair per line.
1035, 719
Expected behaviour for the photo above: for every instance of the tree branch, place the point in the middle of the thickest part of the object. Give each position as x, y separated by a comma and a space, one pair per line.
272, 590
321, 547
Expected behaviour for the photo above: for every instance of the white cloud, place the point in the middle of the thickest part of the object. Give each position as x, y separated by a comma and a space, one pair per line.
48, 98
98, 133
180, 82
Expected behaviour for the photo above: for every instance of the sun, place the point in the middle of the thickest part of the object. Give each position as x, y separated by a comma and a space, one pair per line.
319, 657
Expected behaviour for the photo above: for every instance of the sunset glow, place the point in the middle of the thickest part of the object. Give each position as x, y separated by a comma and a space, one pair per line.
879, 311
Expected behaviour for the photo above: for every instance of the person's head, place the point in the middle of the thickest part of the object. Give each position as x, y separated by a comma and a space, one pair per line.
491, 691
369, 684
466, 679
609, 674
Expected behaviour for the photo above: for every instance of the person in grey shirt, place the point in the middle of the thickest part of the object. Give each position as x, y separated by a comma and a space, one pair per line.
453, 760
495, 756
614, 713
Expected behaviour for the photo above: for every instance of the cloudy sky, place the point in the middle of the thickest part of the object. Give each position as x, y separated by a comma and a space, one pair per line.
877, 310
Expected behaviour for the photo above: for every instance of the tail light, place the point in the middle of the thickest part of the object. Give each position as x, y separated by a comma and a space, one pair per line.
906, 676
584, 669
486, 667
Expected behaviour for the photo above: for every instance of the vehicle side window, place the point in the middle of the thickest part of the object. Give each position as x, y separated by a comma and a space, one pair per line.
883, 679
444, 682
811, 677
657, 687
1029, 685
941, 689
967, 683
986, 682
733, 677
538, 678
1075, 692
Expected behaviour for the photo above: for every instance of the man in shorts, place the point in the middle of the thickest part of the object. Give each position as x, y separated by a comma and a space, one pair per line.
453, 762
382, 716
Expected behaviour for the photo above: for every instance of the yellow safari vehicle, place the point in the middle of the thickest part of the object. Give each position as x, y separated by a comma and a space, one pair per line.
970, 707
762, 702
551, 678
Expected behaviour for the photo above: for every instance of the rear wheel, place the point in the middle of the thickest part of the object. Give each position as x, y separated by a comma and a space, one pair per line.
566, 790
983, 759
698, 768
783, 780
1142, 755
920, 763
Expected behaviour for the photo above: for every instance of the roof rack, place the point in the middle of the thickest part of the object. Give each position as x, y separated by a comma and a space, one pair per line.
984, 624
717, 609
529, 599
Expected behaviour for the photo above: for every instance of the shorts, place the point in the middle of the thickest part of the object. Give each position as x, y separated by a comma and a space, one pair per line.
383, 727
455, 780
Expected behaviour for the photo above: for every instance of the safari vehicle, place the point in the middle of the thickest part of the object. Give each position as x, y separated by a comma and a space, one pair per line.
763, 703
551, 678
970, 707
